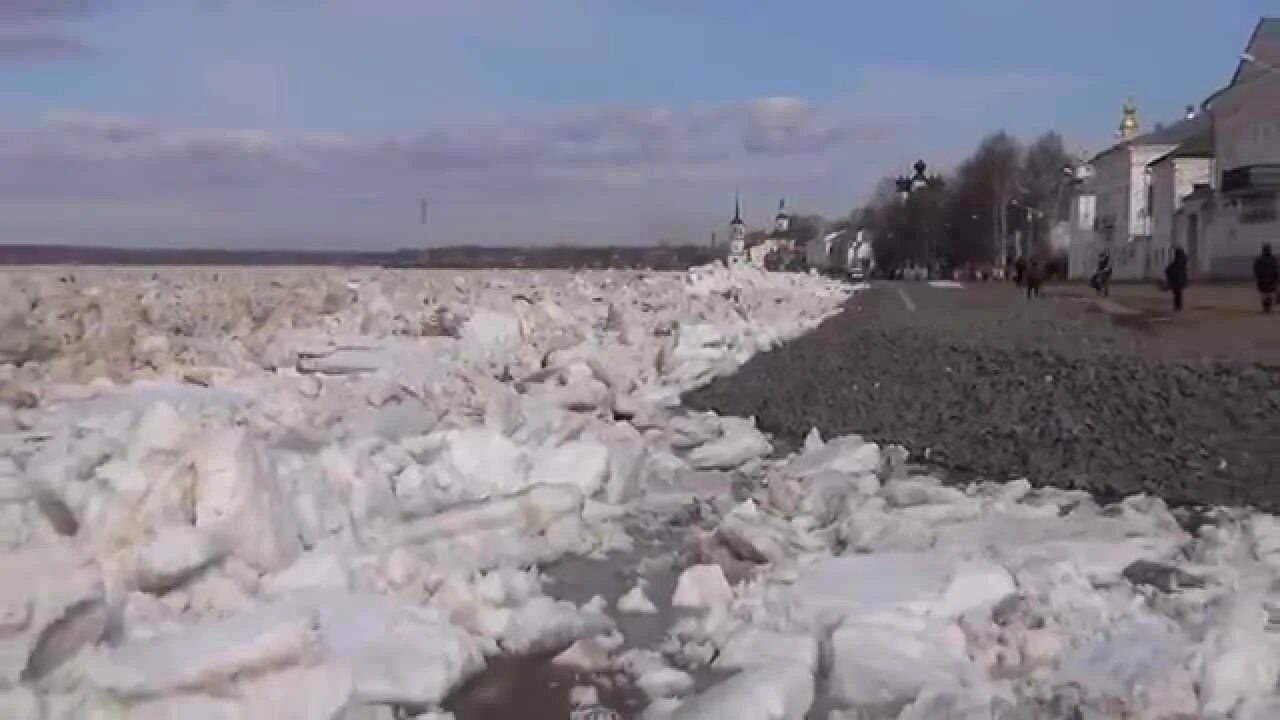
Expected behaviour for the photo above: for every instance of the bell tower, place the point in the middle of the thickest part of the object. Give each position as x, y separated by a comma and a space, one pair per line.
782, 222
737, 232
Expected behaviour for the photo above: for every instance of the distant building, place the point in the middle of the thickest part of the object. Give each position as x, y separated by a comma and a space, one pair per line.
778, 240
781, 221
819, 253
1174, 176
1082, 252
1121, 183
1228, 220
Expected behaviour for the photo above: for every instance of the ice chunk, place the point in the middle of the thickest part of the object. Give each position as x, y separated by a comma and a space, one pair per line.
587, 654
239, 499
848, 454
172, 555
1240, 659
685, 432
51, 605
813, 441
488, 332
315, 570
627, 454
477, 463
635, 601
584, 696
894, 583
581, 463
1140, 664
746, 533
911, 492
702, 587
740, 443
293, 693
399, 653
881, 668
544, 624
532, 511
208, 656
769, 691
753, 645
655, 677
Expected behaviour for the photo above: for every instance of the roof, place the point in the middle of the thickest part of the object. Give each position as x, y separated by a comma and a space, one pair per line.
1265, 33
1174, 134
1199, 145
1264, 43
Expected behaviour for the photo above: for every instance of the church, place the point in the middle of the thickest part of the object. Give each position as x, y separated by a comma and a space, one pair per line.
778, 240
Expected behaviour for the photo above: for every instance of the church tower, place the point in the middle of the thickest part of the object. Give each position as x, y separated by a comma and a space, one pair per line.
781, 222
737, 232
1129, 123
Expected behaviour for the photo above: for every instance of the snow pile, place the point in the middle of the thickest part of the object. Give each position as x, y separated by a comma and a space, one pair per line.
232, 493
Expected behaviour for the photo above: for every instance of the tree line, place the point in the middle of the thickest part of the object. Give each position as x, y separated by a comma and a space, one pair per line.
999, 203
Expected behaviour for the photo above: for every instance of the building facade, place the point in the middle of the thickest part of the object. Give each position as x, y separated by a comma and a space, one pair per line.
1174, 177
1120, 198
1242, 214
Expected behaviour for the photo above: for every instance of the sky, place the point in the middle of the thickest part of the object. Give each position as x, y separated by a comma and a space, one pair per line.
323, 124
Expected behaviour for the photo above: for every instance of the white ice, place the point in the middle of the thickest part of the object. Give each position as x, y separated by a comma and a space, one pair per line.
222, 491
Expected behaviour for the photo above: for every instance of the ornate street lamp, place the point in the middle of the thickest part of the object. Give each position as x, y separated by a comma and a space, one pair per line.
919, 181
909, 184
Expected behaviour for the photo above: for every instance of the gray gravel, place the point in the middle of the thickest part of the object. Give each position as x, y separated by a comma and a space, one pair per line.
984, 382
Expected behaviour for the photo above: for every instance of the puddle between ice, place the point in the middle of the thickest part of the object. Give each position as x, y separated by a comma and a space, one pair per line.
532, 688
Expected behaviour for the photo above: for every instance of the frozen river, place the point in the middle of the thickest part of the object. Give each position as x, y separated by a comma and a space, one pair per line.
344, 494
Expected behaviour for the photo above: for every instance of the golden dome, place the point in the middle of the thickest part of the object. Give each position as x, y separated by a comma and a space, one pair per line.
1129, 125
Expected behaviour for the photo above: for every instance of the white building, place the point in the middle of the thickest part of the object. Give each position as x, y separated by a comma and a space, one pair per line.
1175, 176
1237, 213
1121, 185
818, 253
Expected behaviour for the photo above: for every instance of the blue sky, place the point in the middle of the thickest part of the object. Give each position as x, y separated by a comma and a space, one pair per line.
320, 123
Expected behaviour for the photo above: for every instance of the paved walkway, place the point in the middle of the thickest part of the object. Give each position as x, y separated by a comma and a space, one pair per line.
1232, 299
1219, 321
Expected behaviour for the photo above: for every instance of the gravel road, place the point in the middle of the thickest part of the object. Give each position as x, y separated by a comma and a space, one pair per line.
982, 381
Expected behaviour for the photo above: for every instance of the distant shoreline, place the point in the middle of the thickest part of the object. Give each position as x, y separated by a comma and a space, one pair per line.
460, 257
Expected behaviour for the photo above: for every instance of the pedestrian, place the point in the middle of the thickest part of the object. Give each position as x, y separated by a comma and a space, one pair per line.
1266, 272
1101, 280
1034, 278
1019, 271
1175, 277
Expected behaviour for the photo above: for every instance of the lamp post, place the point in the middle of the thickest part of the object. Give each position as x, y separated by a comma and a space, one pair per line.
908, 185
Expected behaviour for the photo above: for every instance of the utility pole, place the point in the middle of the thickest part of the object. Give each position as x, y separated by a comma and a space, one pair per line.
422, 218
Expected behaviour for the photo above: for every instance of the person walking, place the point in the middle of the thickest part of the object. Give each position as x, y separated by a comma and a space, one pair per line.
1175, 277
1034, 278
1102, 276
1266, 272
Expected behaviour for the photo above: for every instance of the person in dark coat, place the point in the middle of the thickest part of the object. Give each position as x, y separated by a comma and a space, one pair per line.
1266, 272
1101, 280
1175, 277
1019, 271
1034, 278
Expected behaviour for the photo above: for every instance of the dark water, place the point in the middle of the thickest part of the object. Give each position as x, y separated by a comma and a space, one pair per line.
532, 688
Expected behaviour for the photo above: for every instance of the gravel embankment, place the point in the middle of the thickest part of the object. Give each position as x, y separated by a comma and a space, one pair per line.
982, 381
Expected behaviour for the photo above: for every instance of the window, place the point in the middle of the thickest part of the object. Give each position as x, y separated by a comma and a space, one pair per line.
1258, 209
